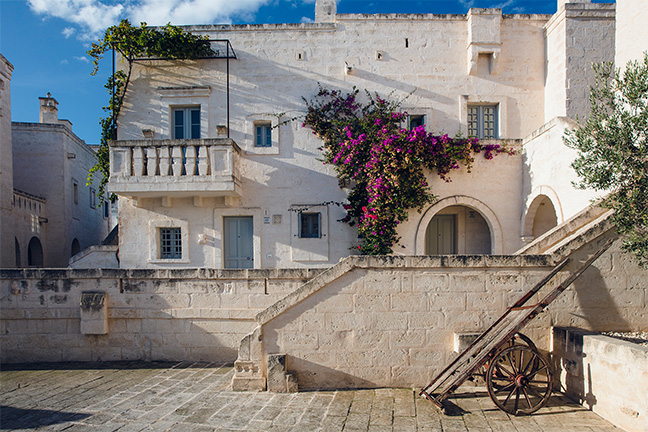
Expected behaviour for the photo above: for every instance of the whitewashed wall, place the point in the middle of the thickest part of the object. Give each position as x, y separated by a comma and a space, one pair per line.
427, 55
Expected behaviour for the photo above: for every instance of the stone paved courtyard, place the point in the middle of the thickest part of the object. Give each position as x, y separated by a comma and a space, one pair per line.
132, 397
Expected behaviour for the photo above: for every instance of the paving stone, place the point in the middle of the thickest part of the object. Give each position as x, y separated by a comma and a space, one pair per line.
139, 397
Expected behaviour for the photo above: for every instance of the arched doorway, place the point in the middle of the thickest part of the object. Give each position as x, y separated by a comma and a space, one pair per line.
76, 247
458, 230
476, 228
17, 251
35, 253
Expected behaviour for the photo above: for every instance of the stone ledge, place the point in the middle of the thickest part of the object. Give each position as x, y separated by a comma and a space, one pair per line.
607, 375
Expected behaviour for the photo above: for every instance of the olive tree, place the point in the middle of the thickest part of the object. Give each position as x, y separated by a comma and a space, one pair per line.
613, 152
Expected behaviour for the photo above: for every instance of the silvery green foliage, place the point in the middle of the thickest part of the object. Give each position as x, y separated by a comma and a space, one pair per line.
613, 152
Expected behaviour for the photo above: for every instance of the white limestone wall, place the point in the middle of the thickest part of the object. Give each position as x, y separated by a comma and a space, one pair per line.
631, 35
492, 188
547, 171
6, 167
390, 321
606, 375
578, 35
48, 159
277, 65
192, 315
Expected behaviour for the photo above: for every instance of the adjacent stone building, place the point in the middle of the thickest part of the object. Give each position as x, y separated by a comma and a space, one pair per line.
49, 214
7, 257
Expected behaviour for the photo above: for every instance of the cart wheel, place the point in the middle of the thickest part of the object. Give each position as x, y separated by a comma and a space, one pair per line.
519, 380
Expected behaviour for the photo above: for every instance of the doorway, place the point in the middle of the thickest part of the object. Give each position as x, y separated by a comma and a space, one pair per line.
238, 242
441, 235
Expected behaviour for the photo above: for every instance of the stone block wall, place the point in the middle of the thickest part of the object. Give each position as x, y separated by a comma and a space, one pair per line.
193, 314
607, 375
391, 321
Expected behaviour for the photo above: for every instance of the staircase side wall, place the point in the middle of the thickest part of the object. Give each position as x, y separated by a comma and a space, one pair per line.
394, 325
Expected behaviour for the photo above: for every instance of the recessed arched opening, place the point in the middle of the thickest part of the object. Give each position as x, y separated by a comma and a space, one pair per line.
543, 212
35, 253
458, 230
17, 252
545, 217
76, 247
467, 226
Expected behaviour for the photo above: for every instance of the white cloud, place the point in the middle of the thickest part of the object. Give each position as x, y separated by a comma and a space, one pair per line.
467, 3
68, 31
91, 16
503, 4
64, 61
82, 59
306, 20
160, 12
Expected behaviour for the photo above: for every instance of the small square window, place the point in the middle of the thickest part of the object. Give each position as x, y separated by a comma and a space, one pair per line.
482, 121
186, 122
262, 135
170, 243
415, 121
309, 225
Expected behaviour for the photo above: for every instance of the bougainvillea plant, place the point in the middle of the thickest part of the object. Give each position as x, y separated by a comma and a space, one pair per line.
384, 163
133, 43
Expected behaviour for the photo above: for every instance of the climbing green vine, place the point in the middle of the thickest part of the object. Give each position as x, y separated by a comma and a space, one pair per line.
384, 163
132, 43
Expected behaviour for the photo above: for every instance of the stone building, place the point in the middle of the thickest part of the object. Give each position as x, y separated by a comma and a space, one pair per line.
204, 179
7, 257
49, 214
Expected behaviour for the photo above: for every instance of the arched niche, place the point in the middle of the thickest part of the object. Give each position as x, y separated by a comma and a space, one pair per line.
76, 247
543, 212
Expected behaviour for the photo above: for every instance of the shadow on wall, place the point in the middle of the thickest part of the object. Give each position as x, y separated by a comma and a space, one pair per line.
592, 289
312, 376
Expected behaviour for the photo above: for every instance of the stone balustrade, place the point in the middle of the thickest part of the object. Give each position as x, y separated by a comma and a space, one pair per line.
195, 167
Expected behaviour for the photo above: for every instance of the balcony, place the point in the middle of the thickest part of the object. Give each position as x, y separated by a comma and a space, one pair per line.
175, 168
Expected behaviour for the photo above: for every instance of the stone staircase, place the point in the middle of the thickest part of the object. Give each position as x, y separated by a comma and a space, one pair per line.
564, 238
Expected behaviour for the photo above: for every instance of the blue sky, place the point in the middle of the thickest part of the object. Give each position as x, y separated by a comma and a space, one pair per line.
46, 40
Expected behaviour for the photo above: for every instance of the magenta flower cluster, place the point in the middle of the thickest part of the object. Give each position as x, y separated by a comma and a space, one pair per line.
385, 163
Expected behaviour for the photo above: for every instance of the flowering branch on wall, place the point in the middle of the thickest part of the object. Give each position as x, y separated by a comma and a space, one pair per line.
384, 163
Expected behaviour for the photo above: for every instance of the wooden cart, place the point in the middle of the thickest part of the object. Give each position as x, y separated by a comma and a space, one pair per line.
518, 377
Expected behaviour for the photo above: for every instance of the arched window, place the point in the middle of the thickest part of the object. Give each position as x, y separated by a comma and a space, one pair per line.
35, 253
76, 247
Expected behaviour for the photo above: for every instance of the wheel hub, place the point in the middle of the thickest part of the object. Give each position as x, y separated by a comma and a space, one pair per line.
521, 381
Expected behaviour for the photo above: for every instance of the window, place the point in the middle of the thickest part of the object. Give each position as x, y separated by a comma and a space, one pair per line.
170, 243
93, 198
75, 192
309, 225
262, 135
482, 121
415, 121
186, 122
106, 209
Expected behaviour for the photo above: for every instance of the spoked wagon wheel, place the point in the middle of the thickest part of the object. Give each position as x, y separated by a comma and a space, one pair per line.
519, 380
